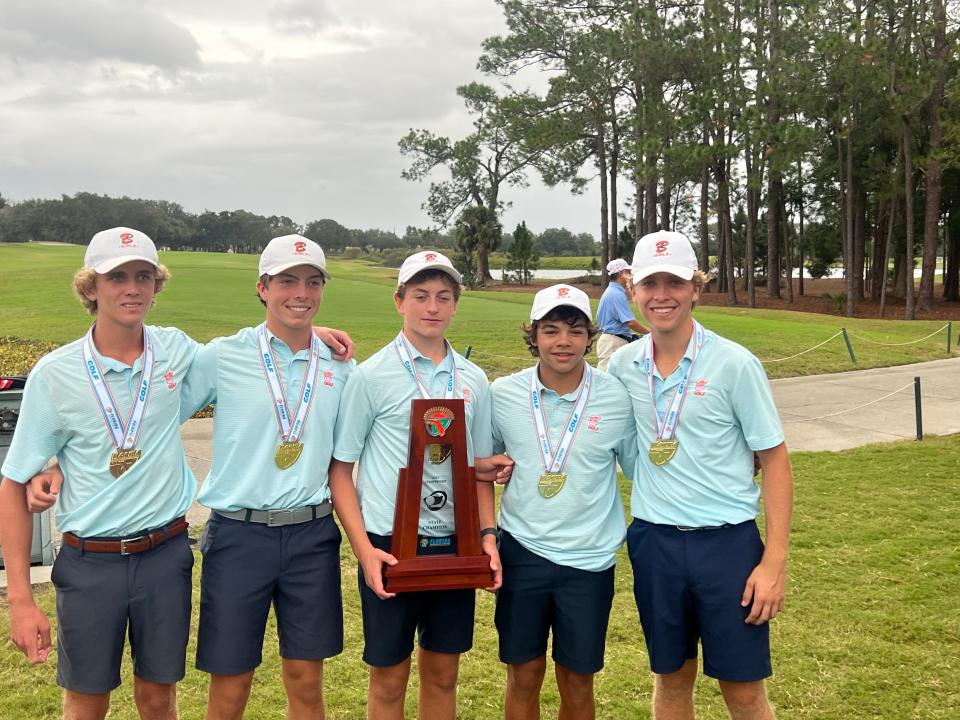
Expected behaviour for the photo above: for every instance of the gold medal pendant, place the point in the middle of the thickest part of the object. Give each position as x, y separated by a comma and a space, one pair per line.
438, 453
551, 483
287, 454
123, 460
662, 451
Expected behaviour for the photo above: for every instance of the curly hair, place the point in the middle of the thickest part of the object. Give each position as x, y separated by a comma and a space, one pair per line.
570, 315
85, 280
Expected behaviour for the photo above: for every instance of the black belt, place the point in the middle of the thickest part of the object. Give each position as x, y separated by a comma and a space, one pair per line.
628, 338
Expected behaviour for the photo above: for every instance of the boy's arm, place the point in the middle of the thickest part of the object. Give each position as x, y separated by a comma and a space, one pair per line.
338, 341
29, 627
765, 590
348, 510
488, 519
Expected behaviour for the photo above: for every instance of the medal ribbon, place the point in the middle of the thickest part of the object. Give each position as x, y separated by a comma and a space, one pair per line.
406, 358
124, 436
290, 431
665, 429
555, 461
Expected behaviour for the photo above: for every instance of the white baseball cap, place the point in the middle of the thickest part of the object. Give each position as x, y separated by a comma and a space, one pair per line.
427, 260
559, 295
664, 251
109, 249
618, 265
287, 251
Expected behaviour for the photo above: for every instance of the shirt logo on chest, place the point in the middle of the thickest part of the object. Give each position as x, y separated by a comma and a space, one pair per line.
168, 376
328, 378
700, 388
593, 423
467, 394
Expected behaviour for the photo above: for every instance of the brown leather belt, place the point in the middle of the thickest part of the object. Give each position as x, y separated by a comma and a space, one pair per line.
128, 546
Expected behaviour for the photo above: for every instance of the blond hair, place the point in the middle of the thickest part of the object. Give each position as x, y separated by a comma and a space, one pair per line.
85, 281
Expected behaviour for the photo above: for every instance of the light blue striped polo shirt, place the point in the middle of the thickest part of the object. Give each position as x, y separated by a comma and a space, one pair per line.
728, 414
583, 525
60, 417
374, 428
244, 475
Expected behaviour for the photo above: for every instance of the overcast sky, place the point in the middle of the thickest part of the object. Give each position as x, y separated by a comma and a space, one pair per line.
288, 107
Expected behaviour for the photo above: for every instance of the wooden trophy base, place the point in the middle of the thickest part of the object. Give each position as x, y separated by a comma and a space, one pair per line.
438, 572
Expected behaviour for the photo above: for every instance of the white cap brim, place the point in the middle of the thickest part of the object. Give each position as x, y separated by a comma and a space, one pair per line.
276, 270
684, 273
404, 277
113, 263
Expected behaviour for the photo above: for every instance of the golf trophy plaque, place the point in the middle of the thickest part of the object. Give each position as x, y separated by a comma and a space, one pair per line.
438, 430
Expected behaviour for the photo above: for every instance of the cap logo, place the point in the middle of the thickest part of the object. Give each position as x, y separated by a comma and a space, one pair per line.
300, 247
126, 239
562, 292
662, 247
430, 257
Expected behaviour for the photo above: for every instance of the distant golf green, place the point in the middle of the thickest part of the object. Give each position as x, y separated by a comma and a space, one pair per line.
213, 294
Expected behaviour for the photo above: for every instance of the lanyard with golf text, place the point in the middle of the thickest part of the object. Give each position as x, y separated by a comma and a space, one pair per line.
664, 446
553, 478
124, 436
406, 357
291, 430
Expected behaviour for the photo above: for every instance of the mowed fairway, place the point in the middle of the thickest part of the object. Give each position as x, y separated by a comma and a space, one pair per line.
213, 294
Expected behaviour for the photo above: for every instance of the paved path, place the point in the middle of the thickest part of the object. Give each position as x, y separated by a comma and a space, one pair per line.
803, 402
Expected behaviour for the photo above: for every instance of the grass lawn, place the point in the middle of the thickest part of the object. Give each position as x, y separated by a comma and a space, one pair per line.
871, 628
213, 294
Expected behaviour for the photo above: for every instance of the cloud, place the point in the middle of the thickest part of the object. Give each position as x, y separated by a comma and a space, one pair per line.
300, 17
90, 30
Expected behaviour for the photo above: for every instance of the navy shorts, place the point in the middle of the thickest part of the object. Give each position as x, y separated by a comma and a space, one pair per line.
249, 566
442, 620
688, 585
103, 597
538, 595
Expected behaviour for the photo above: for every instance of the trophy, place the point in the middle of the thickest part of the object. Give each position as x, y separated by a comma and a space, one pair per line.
439, 428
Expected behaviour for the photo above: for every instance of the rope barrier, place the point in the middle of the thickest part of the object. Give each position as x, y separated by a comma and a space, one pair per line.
805, 351
858, 407
911, 342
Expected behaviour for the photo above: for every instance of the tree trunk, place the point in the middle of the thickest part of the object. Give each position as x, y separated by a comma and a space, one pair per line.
931, 218
880, 232
859, 239
774, 193
604, 231
705, 218
614, 171
908, 213
849, 264
951, 270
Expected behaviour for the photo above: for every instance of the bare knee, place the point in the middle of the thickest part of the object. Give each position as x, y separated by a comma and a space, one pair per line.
303, 681
228, 695
577, 686
438, 670
388, 685
746, 700
155, 701
526, 679
80, 706
678, 684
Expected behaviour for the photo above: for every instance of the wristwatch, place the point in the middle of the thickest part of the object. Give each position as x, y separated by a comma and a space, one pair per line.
490, 531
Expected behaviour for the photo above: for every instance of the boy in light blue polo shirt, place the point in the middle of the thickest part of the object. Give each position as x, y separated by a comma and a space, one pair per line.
108, 406
561, 519
701, 573
271, 538
373, 428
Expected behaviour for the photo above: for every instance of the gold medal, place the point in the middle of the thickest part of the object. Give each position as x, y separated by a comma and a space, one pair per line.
438, 453
287, 454
662, 451
551, 483
123, 460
